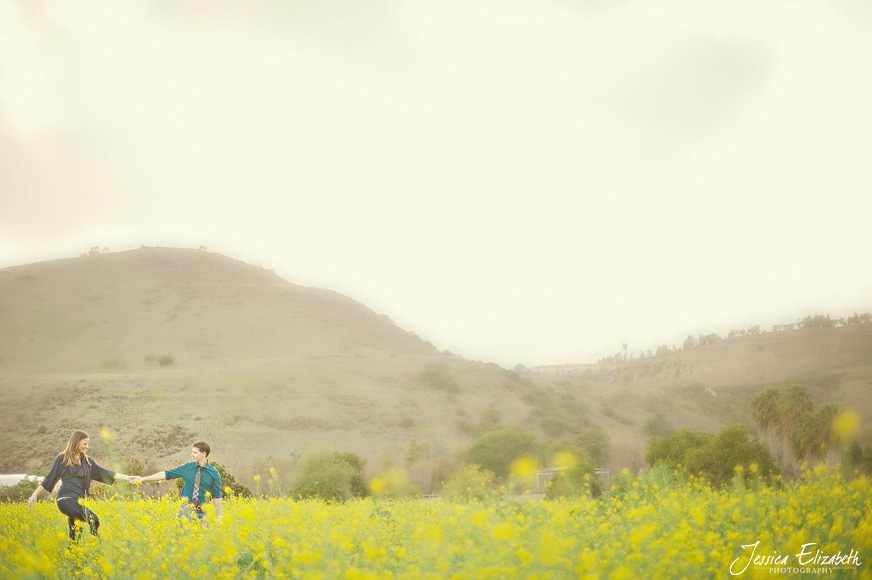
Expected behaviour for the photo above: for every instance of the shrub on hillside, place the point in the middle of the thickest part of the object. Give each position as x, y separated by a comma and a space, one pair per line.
163, 360
597, 443
658, 426
438, 377
113, 361
331, 476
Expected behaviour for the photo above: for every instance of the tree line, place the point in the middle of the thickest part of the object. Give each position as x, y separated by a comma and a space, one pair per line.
691, 342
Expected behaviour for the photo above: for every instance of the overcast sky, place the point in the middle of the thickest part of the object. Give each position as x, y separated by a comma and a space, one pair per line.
517, 181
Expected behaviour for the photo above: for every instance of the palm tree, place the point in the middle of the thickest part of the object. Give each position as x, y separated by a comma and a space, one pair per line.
777, 412
814, 438
764, 412
793, 403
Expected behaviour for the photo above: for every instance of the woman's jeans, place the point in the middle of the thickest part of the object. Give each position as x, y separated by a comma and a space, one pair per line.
76, 511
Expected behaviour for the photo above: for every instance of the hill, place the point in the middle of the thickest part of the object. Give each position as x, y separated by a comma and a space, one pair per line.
163, 347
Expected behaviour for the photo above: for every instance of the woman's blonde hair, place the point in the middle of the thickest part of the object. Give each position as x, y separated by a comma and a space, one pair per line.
71, 452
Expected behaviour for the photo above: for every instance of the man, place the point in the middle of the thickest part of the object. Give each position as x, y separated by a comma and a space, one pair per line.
199, 477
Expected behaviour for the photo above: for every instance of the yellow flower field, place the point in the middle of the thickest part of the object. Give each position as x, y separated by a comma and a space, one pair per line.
819, 525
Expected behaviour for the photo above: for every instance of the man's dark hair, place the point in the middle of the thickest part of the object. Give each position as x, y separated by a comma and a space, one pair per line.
203, 446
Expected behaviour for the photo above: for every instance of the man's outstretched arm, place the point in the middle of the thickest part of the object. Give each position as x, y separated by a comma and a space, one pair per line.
159, 476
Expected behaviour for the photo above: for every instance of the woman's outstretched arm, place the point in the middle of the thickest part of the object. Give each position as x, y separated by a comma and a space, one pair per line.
35, 495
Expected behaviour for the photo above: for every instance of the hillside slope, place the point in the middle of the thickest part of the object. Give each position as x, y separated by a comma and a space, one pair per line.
196, 305
259, 366
266, 370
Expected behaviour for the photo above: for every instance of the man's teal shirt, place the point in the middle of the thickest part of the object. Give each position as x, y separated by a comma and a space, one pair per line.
210, 481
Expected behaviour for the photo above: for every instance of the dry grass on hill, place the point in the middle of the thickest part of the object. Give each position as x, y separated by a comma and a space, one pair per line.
167, 346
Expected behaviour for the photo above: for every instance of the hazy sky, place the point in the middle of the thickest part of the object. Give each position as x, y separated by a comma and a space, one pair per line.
516, 181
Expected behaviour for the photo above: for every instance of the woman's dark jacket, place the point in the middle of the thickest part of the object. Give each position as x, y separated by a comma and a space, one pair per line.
76, 479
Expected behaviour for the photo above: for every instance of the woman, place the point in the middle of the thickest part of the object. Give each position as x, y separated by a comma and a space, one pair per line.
76, 470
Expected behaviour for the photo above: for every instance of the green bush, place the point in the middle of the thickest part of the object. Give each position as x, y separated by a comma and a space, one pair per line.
574, 481
227, 480
579, 477
437, 376
715, 458
331, 476
163, 360
858, 457
113, 361
469, 483
18, 492
650, 484
658, 426
596, 443
495, 451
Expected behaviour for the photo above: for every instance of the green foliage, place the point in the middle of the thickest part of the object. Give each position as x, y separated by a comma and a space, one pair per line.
818, 321
733, 449
495, 451
163, 360
705, 339
113, 361
227, 480
558, 413
590, 447
490, 418
470, 482
553, 426
658, 478
359, 487
437, 376
858, 457
793, 429
18, 492
596, 443
813, 436
469, 428
714, 458
673, 451
329, 475
859, 318
577, 479
608, 411
658, 426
